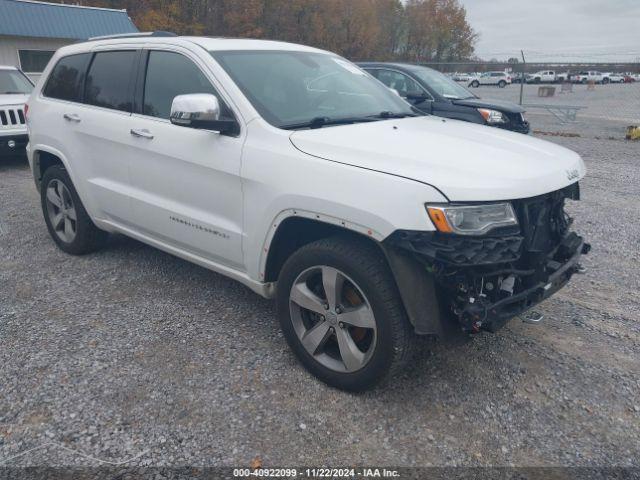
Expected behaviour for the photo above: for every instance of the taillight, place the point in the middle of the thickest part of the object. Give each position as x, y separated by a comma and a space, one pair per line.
26, 110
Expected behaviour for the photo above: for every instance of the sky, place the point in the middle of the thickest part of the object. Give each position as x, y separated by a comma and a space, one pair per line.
557, 30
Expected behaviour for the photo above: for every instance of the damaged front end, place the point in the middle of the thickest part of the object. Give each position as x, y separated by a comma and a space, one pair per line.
483, 281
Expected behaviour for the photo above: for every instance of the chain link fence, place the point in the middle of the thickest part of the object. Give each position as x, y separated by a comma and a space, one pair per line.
575, 99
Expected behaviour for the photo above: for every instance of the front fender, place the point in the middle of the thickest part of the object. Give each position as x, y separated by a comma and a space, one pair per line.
375, 218
280, 181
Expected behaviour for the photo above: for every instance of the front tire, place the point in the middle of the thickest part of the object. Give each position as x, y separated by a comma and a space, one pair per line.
475, 84
341, 313
67, 220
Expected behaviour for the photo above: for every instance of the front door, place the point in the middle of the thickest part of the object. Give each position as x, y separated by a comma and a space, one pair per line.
186, 187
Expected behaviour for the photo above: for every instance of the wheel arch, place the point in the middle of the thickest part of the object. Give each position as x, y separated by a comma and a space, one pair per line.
295, 228
415, 285
45, 157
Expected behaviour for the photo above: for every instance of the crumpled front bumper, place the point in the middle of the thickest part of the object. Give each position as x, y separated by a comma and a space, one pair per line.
470, 271
503, 310
451, 283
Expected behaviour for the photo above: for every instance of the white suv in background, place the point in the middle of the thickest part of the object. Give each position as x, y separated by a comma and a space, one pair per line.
613, 78
589, 76
501, 79
295, 172
15, 88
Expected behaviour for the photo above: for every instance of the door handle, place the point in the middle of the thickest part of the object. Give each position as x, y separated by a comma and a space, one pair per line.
71, 117
142, 133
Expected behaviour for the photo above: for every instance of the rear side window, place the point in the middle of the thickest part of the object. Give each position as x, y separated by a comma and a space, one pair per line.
169, 75
67, 77
109, 80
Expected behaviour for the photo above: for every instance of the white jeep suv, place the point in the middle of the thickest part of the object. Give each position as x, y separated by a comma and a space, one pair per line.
15, 88
296, 173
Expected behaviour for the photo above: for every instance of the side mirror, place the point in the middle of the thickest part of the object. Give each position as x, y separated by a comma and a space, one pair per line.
201, 111
416, 97
426, 107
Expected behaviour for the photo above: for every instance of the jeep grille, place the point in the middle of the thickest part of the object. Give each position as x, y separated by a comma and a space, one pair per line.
11, 117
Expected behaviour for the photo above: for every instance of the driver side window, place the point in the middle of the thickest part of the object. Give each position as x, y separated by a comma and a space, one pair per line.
171, 74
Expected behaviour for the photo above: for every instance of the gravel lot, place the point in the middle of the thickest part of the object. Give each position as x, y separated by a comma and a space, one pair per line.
131, 352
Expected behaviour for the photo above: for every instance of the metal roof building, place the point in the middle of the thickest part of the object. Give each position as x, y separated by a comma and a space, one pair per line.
30, 31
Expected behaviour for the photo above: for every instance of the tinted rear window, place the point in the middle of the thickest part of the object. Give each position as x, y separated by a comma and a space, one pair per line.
109, 79
65, 81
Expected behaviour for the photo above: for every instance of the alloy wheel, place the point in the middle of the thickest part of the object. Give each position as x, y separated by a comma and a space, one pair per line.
61, 211
333, 319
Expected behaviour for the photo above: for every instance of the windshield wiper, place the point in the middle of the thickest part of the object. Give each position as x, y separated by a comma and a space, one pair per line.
387, 114
13, 93
319, 122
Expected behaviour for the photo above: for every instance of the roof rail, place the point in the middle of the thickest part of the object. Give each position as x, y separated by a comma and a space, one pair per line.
136, 35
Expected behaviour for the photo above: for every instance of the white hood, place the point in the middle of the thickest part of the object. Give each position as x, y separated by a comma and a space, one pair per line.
466, 162
15, 99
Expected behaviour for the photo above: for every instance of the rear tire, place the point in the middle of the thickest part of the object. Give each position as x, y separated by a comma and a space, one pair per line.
366, 293
67, 220
475, 84
502, 84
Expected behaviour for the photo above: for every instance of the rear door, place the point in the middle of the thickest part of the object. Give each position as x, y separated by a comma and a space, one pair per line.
49, 117
187, 188
102, 125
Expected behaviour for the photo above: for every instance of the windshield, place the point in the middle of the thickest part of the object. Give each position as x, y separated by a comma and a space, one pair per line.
293, 88
12, 81
442, 84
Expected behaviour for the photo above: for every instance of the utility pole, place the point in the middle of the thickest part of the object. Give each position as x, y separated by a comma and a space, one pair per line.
522, 79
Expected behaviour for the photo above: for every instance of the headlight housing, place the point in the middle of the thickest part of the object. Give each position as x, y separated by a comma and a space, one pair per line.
472, 219
493, 117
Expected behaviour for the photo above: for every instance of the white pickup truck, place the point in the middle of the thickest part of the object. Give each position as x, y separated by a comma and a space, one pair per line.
298, 174
15, 88
543, 76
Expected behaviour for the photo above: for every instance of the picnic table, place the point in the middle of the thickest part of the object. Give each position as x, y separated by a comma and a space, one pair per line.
563, 113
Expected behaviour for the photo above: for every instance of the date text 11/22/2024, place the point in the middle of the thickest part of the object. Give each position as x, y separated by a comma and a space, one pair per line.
316, 473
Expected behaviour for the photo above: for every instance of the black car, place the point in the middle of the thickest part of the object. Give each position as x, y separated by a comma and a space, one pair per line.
432, 92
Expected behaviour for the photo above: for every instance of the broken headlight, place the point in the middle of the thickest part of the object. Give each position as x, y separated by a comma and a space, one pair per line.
472, 219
